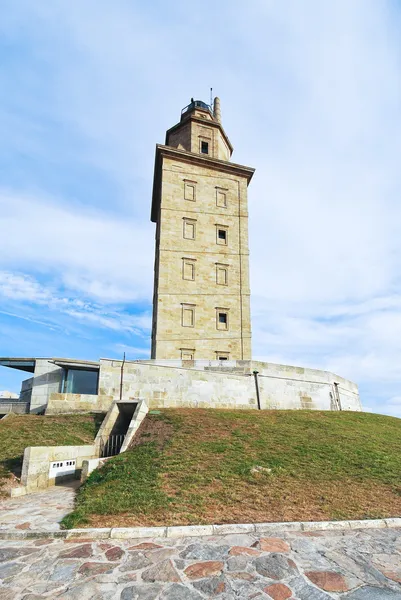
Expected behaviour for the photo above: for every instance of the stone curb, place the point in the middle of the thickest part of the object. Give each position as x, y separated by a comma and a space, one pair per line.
120, 533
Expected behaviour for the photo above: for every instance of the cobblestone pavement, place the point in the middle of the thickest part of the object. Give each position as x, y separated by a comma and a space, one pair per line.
41, 511
352, 565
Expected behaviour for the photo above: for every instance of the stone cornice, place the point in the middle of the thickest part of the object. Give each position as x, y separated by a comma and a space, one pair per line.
194, 159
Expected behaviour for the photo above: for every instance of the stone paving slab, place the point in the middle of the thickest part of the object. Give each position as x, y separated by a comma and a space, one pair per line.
41, 511
319, 565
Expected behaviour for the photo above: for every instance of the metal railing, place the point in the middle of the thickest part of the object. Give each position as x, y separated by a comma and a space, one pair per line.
111, 445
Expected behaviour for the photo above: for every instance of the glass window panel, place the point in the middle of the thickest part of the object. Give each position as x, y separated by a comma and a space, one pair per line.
79, 381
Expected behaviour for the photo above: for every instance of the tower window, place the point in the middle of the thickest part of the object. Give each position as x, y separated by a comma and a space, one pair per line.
188, 269
221, 198
189, 230
222, 235
222, 318
221, 274
189, 190
187, 354
204, 147
188, 315
222, 356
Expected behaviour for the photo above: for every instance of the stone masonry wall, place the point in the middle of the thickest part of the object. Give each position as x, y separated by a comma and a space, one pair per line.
205, 338
210, 384
68, 403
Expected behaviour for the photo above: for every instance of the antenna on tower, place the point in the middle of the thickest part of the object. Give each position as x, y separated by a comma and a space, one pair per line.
211, 96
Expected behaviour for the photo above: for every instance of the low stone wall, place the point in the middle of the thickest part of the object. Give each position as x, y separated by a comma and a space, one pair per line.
35, 468
68, 403
213, 384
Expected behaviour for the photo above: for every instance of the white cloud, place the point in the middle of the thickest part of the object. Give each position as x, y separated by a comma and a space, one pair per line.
104, 256
23, 289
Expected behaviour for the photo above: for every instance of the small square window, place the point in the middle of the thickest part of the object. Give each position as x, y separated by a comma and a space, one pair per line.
222, 235
187, 354
188, 315
221, 199
221, 274
189, 191
222, 318
189, 229
188, 269
204, 147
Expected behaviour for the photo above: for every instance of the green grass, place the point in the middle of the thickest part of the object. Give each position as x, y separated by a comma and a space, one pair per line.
20, 431
195, 466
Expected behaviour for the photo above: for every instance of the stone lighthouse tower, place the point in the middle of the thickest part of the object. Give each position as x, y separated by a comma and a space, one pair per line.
201, 301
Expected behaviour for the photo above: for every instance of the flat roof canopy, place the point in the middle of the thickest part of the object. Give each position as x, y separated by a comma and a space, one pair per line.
28, 364
22, 364
87, 365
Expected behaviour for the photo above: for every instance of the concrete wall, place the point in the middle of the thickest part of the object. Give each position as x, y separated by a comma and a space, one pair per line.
35, 468
231, 384
68, 403
46, 380
26, 390
13, 406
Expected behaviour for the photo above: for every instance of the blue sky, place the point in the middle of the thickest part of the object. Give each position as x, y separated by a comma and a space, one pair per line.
311, 97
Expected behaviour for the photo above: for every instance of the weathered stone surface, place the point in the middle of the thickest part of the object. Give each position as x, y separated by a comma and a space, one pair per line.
141, 592
9, 570
302, 590
90, 590
204, 569
115, 553
274, 545
393, 575
239, 550
81, 551
145, 546
328, 580
238, 563
179, 592
200, 551
278, 591
44, 542
160, 554
64, 571
10, 594
23, 526
136, 561
372, 593
94, 568
13, 553
360, 558
241, 575
275, 566
163, 571
210, 587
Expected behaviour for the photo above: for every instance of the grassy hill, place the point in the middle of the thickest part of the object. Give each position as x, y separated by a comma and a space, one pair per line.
19, 431
192, 466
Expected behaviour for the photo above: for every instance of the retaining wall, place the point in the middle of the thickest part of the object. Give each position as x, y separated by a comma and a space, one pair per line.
231, 384
35, 468
59, 403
